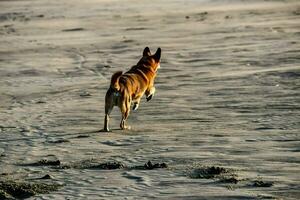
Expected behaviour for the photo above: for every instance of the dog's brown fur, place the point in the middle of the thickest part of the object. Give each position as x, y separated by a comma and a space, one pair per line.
129, 87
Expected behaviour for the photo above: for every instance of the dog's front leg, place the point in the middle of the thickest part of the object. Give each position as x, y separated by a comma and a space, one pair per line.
123, 125
150, 93
125, 109
136, 104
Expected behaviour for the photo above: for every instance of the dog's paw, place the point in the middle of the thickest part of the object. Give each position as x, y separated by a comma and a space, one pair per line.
105, 130
135, 106
149, 97
126, 128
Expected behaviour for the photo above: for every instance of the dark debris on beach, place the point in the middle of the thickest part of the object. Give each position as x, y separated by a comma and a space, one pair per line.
208, 172
43, 162
10, 189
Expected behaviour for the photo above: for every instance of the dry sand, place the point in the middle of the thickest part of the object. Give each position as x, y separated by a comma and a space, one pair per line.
228, 95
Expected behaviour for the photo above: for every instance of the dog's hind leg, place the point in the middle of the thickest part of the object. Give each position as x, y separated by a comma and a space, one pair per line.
109, 104
106, 121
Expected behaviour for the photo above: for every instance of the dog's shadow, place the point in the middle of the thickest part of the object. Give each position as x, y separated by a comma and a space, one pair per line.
110, 131
115, 130
120, 131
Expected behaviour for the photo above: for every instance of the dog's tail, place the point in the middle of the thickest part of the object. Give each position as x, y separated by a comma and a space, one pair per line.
115, 80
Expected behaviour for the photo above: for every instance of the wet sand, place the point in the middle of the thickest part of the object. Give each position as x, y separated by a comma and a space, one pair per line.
224, 121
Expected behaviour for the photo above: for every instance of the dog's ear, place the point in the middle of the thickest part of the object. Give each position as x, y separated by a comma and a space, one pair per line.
146, 52
157, 55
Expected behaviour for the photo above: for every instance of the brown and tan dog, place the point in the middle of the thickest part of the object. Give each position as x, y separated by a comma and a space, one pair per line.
128, 88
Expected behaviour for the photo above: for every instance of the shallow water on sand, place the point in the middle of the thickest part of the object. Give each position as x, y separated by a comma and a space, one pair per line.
228, 94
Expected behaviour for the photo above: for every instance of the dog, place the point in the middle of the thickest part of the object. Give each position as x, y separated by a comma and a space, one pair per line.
127, 89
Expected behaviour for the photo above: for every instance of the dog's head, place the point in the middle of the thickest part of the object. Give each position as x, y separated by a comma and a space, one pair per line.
151, 60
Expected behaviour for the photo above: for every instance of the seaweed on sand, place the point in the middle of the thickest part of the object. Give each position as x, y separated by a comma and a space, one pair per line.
111, 165
44, 162
17, 189
94, 164
149, 166
208, 172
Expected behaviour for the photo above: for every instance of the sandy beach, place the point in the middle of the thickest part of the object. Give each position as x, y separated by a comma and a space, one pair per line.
224, 122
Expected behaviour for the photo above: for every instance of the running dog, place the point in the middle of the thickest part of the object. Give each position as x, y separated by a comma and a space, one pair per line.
128, 88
